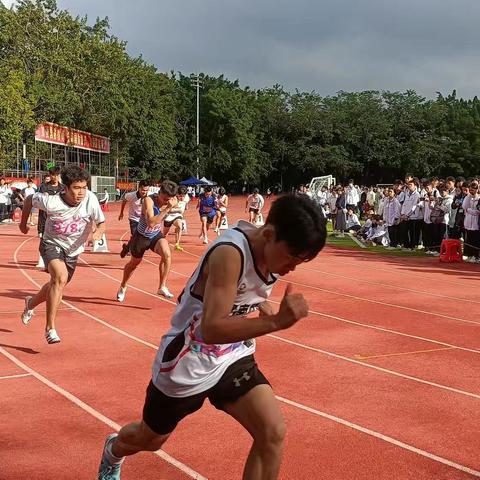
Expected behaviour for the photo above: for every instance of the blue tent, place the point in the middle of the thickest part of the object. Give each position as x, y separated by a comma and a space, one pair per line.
192, 181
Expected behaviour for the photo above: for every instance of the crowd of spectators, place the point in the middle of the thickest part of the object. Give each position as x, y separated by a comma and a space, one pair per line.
410, 214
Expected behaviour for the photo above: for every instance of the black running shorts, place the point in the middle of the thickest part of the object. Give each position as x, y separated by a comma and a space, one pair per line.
140, 244
162, 413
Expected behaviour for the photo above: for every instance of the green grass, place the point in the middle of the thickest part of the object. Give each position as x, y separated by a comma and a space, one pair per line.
348, 243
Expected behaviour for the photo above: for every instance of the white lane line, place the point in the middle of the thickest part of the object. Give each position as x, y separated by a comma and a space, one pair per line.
19, 375
381, 436
434, 457
374, 367
331, 354
388, 285
95, 413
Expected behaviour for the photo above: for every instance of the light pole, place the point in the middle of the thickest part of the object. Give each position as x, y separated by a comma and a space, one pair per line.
195, 81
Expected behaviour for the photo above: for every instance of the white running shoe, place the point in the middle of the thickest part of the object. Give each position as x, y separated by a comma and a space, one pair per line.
27, 313
121, 294
165, 292
51, 336
205, 240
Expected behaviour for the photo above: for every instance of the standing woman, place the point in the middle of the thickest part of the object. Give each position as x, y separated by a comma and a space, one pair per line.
471, 223
341, 206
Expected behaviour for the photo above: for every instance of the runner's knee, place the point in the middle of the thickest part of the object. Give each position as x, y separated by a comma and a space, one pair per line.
272, 435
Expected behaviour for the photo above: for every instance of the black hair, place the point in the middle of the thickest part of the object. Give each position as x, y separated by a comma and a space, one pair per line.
450, 179
300, 222
73, 173
221, 191
182, 190
144, 183
256, 190
169, 188
54, 171
207, 189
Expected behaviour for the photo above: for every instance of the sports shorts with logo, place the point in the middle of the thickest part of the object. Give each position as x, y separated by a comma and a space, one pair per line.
162, 413
50, 252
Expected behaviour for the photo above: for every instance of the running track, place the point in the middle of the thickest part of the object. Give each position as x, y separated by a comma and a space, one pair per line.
381, 381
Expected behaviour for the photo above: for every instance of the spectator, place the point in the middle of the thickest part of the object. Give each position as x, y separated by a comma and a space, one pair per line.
29, 190
105, 197
352, 221
391, 217
351, 196
341, 209
471, 223
5, 194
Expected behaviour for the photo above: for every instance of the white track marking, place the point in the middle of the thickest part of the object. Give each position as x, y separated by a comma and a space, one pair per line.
303, 407
389, 285
18, 375
374, 367
95, 413
381, 436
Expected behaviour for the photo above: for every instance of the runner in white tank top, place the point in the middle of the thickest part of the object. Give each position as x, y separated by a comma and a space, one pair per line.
208, 351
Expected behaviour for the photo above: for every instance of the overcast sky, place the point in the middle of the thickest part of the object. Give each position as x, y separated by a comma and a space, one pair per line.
326, 46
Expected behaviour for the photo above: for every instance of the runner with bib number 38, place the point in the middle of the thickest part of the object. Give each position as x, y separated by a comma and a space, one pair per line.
70, 218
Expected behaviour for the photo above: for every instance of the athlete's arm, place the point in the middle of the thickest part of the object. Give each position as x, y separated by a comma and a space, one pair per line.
40, 199
122, 208
151, 218
218, 326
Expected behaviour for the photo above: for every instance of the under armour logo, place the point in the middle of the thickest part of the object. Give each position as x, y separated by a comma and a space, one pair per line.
237, 381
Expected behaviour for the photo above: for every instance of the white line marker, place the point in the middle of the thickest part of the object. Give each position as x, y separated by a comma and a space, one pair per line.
19, 375
381, 436
96, 414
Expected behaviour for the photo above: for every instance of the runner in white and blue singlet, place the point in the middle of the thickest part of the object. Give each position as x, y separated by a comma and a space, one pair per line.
148, 235
207, 208
208, 351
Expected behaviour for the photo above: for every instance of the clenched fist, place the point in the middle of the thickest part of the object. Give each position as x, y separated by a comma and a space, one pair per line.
292, 308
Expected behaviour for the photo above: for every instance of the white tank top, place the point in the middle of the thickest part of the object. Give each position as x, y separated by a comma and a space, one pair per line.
184, 364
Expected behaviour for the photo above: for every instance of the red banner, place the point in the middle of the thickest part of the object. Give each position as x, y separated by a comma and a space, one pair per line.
126, 185
52, 133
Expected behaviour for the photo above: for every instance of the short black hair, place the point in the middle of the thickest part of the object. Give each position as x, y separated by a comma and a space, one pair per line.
144, 183
208, 188
221, 191
73, 173
182, 190
300, 222
169, 188
54, 171
256, 190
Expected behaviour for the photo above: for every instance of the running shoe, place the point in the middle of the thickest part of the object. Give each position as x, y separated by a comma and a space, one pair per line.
121, 294
165, 292
51, 336
178, 247
27, 312
205, 240
125, 248
108, 471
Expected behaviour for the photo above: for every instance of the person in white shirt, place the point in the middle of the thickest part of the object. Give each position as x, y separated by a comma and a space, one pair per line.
411, 215
471, 207
105, 197
208, 352
440, 216
134, 202
222, 205
29, 190
70, 218
351, 196
391, 216
5, 194
353, 223
254, 205
175, 217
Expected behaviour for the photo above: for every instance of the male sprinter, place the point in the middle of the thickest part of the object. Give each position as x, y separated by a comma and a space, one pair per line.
70, 216
208, 352
134, 201
175, 217
148, 235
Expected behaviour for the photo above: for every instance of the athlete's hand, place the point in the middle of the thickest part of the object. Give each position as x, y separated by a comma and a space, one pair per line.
292, 308
97, 235
120, 217
265, 309
24, 228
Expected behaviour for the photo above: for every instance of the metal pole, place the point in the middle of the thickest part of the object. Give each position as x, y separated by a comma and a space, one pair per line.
198, 123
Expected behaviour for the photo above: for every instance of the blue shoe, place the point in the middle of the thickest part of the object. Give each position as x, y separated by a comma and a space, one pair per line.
107, 471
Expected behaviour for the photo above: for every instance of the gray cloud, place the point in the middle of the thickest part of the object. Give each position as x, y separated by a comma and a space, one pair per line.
327, 46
